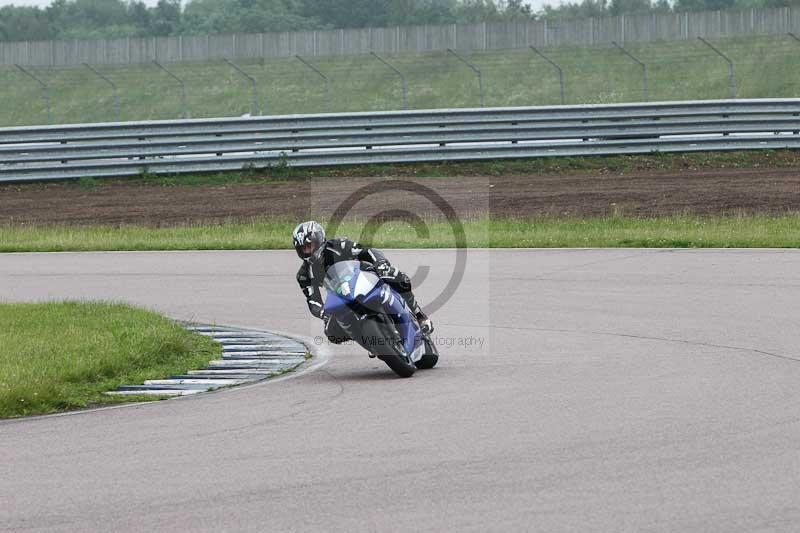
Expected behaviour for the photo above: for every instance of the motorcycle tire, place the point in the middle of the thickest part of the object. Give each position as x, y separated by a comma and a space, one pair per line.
390, 352
431, 356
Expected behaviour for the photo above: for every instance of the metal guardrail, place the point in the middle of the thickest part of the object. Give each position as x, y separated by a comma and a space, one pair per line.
207, 145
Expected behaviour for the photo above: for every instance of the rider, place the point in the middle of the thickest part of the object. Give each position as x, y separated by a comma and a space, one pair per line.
318, 254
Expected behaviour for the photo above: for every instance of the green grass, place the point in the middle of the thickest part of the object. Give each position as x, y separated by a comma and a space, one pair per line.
616, 231
58, 356
662, 232
766, 66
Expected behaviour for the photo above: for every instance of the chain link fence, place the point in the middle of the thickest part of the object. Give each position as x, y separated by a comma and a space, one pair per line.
746, 67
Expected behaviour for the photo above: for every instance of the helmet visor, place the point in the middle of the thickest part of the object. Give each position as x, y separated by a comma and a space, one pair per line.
308, 248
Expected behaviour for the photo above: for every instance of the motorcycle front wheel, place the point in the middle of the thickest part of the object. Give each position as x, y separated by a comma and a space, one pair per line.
379, 340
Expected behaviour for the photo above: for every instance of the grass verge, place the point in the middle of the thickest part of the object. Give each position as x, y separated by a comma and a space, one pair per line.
58, 356
661, 232
755, 231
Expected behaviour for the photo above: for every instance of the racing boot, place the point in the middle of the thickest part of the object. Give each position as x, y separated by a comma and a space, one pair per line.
425, 323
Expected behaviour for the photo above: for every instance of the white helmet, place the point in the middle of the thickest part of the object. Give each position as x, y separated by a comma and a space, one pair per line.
308, 238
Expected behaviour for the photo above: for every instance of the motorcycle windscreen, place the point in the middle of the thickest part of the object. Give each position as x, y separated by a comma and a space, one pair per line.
348, 282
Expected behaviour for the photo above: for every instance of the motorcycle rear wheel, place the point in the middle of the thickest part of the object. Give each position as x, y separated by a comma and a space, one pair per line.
431, 356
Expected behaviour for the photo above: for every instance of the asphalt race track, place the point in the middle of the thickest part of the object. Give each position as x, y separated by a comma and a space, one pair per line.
582, 390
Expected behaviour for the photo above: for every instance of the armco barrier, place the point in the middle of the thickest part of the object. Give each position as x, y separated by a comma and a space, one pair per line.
205, 145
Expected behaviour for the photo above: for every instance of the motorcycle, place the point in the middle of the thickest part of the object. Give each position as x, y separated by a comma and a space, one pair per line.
377, 318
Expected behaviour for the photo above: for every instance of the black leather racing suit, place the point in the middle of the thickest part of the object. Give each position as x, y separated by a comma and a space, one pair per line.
312, 274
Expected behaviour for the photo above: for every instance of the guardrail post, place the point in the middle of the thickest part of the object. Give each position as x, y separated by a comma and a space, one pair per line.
321, 75
474, 68
45, 91
252, 82
180, 82
396, 71
113, 89
558, 69
638, 62
731, 73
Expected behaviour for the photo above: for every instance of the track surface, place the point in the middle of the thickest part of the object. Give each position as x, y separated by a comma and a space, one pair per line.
640, 390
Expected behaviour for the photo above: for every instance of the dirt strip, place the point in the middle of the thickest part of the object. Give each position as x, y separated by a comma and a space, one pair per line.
639, 193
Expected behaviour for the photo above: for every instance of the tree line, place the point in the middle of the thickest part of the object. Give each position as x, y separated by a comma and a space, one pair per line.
86, 19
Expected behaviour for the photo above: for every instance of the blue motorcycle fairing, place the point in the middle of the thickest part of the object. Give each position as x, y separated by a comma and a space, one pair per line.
347, 284
334, 304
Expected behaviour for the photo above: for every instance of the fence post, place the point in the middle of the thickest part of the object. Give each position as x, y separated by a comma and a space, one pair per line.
473, 67
731, 73
796, 38
402, 78
45, 91
686, 23
113, 89
546, 30
321, 75
252, 82
558, 69
640, 63
180, 82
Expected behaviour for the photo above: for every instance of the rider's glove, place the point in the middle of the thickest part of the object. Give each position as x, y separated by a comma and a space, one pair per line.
386, 271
